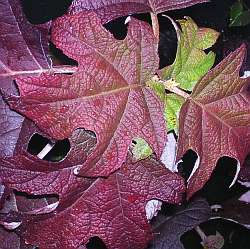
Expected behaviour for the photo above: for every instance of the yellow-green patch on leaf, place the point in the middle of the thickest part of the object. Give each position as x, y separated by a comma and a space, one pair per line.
173, 105
141, 150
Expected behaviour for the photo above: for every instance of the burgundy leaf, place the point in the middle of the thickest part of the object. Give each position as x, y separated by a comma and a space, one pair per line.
23, 47
32, 175
9, 240
109, 9
112, 209
107, 94
215, 120
20, 202
25, 172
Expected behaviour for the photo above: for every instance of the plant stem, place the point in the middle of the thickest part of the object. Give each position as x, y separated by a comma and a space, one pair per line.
178, 91
56, 70
171, 86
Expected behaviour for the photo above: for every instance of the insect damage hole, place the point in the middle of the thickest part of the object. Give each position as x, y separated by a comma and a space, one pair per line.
44, 149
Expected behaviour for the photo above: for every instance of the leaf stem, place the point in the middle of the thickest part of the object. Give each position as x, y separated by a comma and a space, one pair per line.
178, 91
55, 70
155, 25
171, 85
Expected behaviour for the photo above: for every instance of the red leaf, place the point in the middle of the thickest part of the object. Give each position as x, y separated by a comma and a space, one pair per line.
23, 46
107, 94
105, 209
32, 175
108, 10
10, 240
215, 120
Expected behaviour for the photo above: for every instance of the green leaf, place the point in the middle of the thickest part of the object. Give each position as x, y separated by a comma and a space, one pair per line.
158, 88
141, 150
191, 62
173, 105
235, 11
198, 64
242, 19
205, 38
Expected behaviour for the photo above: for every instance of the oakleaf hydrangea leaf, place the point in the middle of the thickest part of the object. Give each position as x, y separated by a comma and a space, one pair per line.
110, 9
172, 104
107, 94
215, 120
23, 46
191, 62
111, 208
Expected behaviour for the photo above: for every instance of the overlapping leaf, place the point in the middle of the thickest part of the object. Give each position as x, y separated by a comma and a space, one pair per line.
109, 9
107, 94
10, 240
191, 62
32, 175
23, 47
10, 127
169, 230
112, 209
215, 120
190, 65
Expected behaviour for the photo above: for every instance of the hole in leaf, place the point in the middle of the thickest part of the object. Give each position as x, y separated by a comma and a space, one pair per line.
117, 27
59, 58
37, 143
57, 152
96, 243
186, 167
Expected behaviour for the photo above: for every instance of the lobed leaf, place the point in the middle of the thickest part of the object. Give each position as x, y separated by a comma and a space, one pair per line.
107, 94
191, 62
215, 120
112, 209
173, 105
28, 173
23, 47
